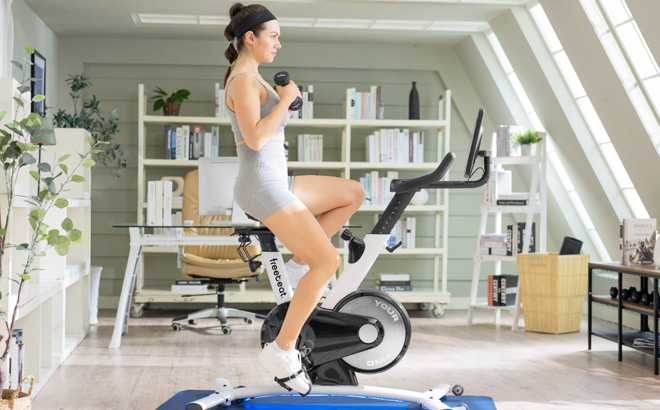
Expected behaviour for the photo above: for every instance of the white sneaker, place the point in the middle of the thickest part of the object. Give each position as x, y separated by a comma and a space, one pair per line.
296, 272
287, 368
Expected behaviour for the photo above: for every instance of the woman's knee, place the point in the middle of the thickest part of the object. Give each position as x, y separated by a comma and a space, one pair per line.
325, 263
357, 192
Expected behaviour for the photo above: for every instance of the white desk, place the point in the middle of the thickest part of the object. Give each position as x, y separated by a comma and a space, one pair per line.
138, 240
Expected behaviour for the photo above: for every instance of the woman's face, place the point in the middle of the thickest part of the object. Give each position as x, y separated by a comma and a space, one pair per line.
268, 42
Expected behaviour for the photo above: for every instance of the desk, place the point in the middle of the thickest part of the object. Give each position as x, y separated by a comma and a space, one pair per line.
138, 240
644, 272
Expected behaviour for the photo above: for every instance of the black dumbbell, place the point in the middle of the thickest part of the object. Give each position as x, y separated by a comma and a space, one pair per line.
634, 296
625, 293
282, 78
647, 298
614, 292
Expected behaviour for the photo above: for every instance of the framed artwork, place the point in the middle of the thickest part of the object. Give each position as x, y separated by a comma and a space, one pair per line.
38, 73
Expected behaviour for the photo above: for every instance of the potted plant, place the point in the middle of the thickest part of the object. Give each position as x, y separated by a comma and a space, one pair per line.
170, 104
90, 118
527, 141
16, 154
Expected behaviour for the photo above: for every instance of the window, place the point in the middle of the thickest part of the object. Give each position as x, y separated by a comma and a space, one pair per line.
589, 113
555, 161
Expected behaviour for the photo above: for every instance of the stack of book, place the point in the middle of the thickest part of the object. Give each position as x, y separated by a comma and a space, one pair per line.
394, 282
190, 286
505, 145
493, 244
395, 145
220, 108
307, 110
516, 198
16, 359
516, 236
365, 105
181, 144
377, 189
310, 148
502, 290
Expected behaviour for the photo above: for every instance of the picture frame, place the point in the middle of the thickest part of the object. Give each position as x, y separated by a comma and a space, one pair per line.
38, 84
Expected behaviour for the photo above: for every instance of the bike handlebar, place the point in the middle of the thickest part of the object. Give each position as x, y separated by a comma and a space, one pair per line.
433, 180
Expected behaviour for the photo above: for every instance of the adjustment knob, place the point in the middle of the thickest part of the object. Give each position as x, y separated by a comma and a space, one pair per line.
347, 235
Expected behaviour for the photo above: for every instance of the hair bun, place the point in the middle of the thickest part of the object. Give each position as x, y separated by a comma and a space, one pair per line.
235, 9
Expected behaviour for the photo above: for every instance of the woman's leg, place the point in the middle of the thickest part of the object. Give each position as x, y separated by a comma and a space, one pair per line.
334, 200
298, 230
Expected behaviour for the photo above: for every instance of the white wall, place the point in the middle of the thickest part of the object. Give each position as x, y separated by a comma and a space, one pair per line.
30, 30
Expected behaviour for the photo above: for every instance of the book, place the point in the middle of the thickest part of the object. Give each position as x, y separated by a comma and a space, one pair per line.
508, 288
515, 239
168, 142
638, 241
394, 277
190, 289
188, 282
405, 288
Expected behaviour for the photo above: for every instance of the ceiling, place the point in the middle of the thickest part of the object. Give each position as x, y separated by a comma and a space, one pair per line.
441, 22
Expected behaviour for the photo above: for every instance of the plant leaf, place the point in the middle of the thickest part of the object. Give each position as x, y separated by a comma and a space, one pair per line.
61, 203
67, 224
64, 168
88, 163
75, 235
63, 158
28, 159
77, 178
35, 175
24, 276
44, 167
38, 98
28, 49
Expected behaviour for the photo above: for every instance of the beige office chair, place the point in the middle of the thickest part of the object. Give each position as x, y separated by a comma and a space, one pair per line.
217, 265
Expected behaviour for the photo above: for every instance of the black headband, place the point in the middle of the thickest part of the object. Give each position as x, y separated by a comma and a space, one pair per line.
253, 20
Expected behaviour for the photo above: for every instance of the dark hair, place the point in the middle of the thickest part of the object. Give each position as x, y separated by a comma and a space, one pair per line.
238, 13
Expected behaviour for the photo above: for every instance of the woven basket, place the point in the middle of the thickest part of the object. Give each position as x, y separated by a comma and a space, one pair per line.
552, 290
16, 399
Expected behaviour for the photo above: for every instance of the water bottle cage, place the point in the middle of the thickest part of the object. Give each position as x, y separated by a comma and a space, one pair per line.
245, 241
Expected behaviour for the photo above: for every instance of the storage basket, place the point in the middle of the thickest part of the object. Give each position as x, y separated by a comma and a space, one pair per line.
552, 290
16, 399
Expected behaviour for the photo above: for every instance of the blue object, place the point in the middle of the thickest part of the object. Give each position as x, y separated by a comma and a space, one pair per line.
179, 401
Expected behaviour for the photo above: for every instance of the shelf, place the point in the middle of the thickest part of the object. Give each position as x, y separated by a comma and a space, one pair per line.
484, 306
415, 251
191, 163
637, 307
512, 160
428, 124
34, 295
75, 272
79, 203
162, 119
316, 122
496, 258
415, 166
316, 165
511, 209
628, 339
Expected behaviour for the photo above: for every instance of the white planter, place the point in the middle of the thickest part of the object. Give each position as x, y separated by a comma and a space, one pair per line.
528, 150
94, 281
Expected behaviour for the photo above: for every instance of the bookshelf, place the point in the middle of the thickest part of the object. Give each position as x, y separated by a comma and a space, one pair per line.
347, 161
535, 165
54, 305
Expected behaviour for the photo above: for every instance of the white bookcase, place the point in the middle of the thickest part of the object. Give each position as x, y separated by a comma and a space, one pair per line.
346, 166
54, 304
535, 165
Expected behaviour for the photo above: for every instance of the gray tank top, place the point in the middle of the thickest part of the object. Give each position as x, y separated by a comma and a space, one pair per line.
266, 108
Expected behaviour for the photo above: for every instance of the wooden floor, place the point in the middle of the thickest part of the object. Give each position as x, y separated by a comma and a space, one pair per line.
520, 370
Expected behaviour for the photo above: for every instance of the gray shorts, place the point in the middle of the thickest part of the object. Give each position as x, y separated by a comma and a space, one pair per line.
263, 186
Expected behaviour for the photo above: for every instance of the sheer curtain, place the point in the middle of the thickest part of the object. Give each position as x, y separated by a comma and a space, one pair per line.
6, 38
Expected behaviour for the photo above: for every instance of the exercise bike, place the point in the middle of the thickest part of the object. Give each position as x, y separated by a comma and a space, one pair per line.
352, 331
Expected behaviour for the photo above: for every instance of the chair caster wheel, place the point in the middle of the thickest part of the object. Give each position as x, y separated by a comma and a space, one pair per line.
457, 390
226, 330
192, 322
249, 320
177, 327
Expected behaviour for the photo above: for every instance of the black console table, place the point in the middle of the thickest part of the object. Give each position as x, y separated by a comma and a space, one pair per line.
626, 338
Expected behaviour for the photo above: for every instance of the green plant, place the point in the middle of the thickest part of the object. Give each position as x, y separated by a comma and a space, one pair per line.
91, 118
526, 137
162, 98
16, 154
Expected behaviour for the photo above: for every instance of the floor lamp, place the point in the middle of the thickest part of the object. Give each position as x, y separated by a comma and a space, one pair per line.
45, 137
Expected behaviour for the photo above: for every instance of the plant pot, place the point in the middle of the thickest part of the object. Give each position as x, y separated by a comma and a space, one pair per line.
171, 109
527, 150
16, 399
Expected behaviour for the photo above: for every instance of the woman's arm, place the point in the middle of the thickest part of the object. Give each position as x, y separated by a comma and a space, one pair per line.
258, 131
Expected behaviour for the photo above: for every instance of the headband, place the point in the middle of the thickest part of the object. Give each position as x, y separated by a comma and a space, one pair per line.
253, 20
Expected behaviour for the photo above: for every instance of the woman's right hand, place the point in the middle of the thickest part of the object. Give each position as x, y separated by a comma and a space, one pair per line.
288, 92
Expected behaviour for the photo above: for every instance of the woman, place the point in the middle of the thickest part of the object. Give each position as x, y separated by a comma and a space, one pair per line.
287, 206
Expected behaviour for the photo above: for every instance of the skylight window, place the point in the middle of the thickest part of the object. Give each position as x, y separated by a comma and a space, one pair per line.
588, 111
555, 161
632, 60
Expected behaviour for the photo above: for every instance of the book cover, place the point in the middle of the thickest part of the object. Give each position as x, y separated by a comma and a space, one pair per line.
520, 236
508, 288
495, 294
490, 290
168, 141
638, 241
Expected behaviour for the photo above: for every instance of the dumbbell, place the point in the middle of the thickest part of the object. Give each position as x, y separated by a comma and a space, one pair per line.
625, 293
647, 298
282, 78
634, 296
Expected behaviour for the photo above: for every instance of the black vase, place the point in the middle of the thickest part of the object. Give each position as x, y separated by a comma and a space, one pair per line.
413, 103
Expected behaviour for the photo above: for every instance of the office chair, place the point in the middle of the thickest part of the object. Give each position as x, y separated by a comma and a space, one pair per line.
217, 265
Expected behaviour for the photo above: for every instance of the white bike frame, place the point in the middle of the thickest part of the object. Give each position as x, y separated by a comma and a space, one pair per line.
349, 280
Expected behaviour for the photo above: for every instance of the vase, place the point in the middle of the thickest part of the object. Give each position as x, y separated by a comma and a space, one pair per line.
171, 109
413, 103
527, 149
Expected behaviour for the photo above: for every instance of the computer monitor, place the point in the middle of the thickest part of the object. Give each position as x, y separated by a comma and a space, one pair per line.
217, 176
475, 144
